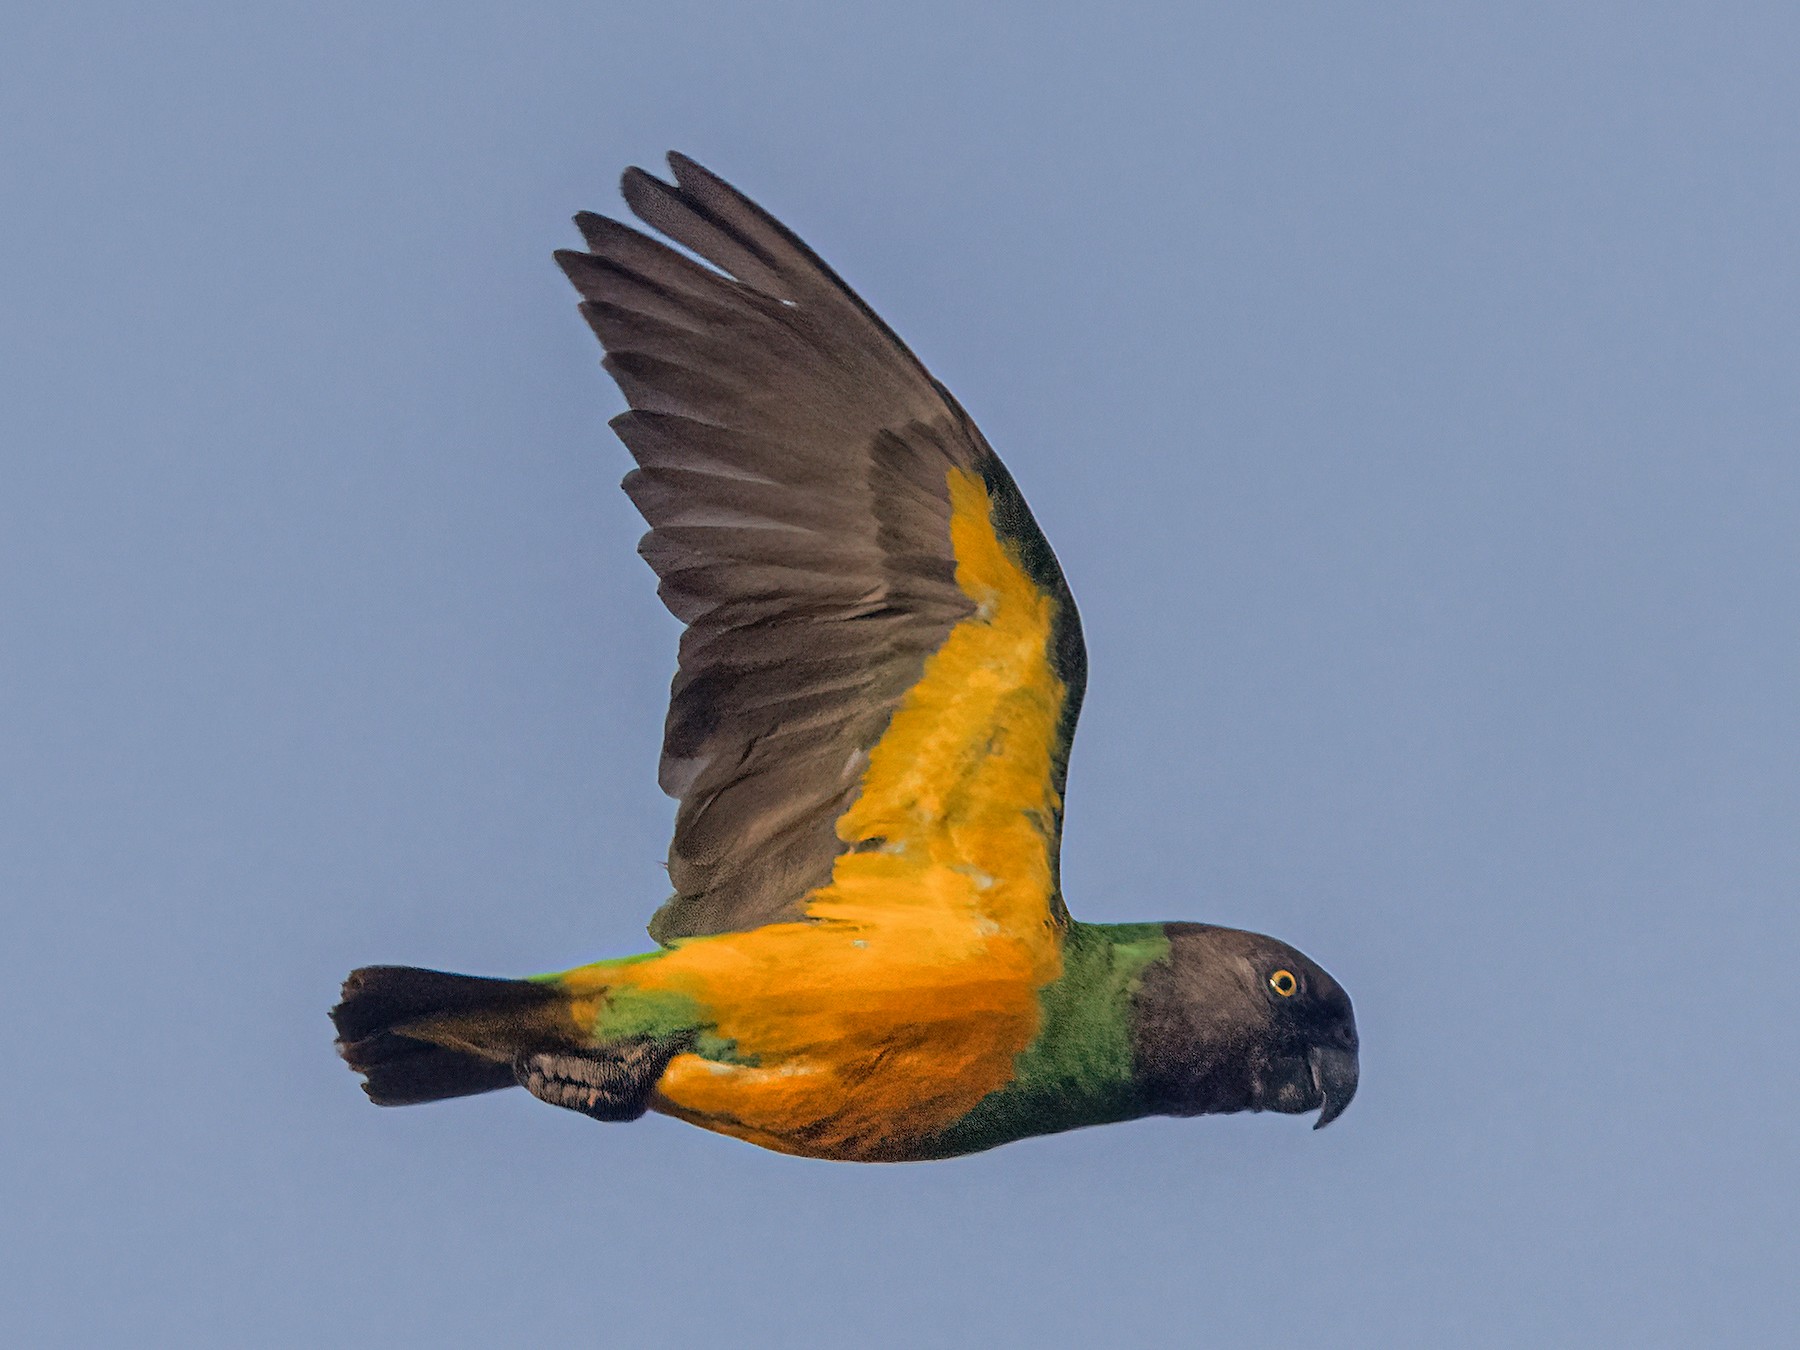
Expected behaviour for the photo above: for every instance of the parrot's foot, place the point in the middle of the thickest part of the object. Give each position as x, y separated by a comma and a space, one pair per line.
609, 1082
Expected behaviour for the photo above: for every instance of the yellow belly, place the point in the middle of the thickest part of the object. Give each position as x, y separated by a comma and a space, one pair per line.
851, 1042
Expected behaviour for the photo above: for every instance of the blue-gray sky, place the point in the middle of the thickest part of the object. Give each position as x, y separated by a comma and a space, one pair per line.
1410, 392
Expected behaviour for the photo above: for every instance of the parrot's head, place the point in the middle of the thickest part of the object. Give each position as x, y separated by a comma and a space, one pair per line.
1235, 1021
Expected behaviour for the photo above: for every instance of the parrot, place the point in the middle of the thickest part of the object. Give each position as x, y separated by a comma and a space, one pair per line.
867, 955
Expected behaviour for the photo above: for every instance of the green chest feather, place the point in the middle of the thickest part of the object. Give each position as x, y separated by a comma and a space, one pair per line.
1079, 1070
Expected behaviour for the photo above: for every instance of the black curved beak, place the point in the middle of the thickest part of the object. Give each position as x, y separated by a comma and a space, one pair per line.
1334, 1070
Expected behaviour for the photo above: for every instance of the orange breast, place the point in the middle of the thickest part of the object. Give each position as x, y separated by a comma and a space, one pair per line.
853, 1041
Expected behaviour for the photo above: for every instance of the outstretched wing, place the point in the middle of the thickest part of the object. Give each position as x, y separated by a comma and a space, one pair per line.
881, 655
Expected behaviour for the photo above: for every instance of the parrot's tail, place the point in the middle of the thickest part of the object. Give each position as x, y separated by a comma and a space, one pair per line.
423, 1035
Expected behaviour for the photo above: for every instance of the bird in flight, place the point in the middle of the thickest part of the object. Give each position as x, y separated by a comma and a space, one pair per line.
867, 956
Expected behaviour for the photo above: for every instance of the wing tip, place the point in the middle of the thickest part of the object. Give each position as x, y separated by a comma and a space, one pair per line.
634, 177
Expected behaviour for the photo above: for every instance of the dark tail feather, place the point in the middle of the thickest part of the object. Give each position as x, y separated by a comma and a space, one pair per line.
381, 1002
401, 1072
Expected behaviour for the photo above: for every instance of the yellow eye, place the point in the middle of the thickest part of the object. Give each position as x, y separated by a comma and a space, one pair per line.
1284, 983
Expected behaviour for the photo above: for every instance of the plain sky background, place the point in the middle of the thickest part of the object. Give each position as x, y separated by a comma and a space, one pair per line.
1410, 392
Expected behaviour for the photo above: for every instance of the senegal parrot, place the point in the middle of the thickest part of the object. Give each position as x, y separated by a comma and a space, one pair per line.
867, 956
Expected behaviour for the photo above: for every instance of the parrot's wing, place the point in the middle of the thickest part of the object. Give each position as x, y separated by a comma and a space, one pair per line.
882, 665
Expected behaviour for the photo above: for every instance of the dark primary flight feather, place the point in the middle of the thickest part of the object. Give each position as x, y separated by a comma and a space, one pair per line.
792, 459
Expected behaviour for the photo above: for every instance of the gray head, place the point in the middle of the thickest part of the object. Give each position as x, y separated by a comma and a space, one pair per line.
1235, 1021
